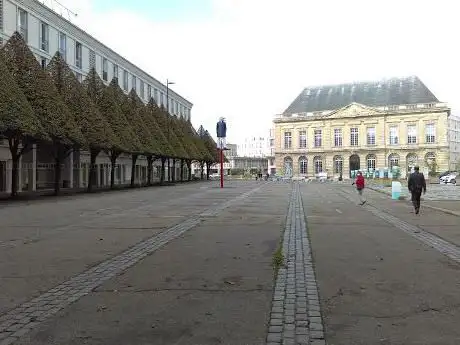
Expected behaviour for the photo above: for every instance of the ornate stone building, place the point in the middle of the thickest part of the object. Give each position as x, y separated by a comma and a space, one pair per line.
367, 126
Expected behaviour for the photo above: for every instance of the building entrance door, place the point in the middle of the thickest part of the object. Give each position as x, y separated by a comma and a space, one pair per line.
355, 164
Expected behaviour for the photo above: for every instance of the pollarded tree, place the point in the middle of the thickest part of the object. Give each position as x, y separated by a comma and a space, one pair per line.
132, 107
202, 153
44, 98
105, 101
164, 149
95, 128
167, 126
18, 122
128, 113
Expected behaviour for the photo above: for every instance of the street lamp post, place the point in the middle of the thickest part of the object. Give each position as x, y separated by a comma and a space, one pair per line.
169, 122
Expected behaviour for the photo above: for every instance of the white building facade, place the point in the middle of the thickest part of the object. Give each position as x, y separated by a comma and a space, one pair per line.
254, 147
46, 32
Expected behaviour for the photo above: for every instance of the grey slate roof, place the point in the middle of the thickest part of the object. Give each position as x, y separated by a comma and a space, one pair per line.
394, 91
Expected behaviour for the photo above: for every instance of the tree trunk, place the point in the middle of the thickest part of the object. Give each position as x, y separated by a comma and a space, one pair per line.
60, 152
173, 174
92, 169
57, 174
202, 170
208, 168
189, 168
149, 170
133, 169
181, 170
113, 162
162, 176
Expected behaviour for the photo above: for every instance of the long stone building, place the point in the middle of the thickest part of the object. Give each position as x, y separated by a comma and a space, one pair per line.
47, 32
370, 126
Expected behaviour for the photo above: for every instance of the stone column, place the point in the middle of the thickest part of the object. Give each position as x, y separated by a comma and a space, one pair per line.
68, 169
20, 174
98, 175
8, 173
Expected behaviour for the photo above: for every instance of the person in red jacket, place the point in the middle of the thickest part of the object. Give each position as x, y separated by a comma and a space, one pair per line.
359, 182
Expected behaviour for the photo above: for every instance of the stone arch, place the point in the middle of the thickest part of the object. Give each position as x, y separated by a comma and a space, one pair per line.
318, 164
371, 162
303, 164
355, 163
338, 164
288, 165
393, 160
411, 161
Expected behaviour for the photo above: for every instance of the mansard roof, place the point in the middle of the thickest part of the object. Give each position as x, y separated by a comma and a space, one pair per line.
394, 91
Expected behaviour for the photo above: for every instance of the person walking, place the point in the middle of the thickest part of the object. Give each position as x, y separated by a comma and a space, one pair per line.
359, 182
416, 185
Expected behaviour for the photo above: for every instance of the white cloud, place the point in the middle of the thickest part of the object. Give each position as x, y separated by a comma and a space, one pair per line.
252, 57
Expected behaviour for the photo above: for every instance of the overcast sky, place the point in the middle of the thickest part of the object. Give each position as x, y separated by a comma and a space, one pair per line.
247, 60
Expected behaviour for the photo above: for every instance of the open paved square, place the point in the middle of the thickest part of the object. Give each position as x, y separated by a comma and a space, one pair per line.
193, 264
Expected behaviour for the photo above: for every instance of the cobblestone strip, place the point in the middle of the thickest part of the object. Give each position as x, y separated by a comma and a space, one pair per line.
17, 322
450, 250
295, 315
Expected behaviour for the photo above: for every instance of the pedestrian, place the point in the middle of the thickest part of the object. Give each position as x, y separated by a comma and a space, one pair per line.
416, 185
359, 182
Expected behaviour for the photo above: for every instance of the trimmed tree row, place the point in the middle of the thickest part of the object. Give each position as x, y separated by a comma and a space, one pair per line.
52, 106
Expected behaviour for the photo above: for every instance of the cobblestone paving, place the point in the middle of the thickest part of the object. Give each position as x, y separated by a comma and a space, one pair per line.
19, 321
296, 316
448, 249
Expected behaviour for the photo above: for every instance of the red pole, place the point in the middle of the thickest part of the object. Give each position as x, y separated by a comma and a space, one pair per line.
221, 168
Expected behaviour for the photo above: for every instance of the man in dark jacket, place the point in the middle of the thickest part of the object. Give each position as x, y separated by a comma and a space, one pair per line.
416, 185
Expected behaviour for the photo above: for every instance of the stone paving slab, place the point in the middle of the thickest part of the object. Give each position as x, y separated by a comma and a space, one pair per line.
378, 284
441, 224
213, 285
58, 297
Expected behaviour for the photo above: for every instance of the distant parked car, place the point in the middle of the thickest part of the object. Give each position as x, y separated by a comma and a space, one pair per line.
445, 173
449, 178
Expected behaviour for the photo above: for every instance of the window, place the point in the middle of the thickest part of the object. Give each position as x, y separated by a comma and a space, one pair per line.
155, 96
337, 137
371, 159
318, 163
430, 135
125, 80
22, 23
303, 139
149, 92
141, 91
78, 54
393, 160
115, 71
44, 36
302, 165
371, 136
162, 100
338, 165
394, 135
105, 69
318, 138
354, 137
411, 134
133, 82
63, 45
287, 140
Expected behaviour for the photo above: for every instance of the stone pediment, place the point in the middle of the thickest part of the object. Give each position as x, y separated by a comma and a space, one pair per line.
354, 110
